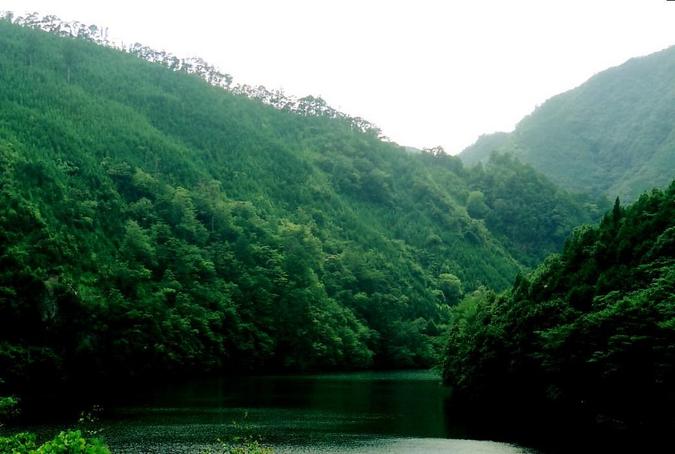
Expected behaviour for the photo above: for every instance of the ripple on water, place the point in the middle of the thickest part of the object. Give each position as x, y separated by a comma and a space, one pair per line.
356, 444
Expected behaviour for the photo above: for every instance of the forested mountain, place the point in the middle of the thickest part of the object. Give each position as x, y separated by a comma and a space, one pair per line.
613, 135
588, 338
151, 221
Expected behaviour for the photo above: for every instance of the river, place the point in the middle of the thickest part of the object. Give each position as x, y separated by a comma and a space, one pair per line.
369, 412
361, 412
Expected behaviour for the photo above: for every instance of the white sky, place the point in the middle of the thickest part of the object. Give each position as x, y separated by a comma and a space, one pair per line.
426, 72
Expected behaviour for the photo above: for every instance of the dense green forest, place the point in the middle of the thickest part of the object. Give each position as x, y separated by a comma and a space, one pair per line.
588, 336
153, 221
612, 135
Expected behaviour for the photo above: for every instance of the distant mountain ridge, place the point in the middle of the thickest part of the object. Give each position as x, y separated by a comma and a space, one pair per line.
612, 135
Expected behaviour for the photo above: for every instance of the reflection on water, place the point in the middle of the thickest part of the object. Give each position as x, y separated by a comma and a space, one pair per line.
392, 412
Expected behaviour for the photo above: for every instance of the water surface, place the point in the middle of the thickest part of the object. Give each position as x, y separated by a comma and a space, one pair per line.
378, 412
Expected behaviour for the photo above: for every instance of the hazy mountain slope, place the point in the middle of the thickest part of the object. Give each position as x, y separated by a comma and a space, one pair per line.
484, 146
613, 134
151, 222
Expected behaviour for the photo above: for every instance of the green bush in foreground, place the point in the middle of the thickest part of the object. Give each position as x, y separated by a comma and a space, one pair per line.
68, 442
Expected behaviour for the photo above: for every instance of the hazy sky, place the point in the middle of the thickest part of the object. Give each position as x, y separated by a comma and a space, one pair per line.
427, 72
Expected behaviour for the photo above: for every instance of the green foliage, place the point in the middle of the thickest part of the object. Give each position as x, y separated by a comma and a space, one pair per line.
591, 330
475, 205
451, 288
612, 135
7, 404
19, 443
8, 408
152, 223
68, 442
531, 215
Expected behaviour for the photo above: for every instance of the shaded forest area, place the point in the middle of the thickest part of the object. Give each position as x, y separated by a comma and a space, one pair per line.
585, 342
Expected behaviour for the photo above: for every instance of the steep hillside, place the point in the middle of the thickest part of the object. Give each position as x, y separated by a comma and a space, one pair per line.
588, 338
152, 222
613, 135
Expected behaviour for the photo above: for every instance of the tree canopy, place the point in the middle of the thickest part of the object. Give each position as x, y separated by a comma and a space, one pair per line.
590, 333
151, 221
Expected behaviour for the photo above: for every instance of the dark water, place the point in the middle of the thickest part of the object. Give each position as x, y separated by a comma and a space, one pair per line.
388, 412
